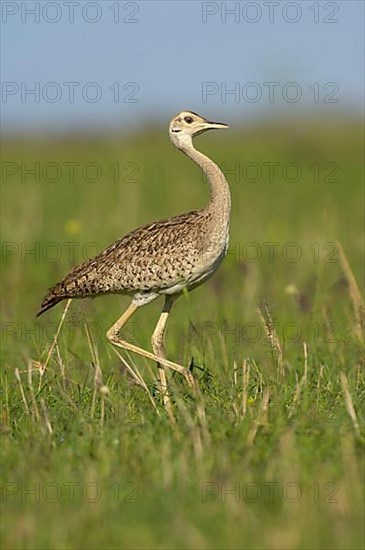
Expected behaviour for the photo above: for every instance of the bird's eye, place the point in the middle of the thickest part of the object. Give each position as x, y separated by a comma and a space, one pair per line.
188, 119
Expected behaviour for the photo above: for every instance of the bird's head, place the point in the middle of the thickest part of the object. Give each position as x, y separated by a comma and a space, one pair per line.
187, 125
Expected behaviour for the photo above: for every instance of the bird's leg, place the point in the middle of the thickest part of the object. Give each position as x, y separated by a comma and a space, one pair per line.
113, 337
158, 347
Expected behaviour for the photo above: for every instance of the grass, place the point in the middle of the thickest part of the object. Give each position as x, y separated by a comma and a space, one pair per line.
89, 457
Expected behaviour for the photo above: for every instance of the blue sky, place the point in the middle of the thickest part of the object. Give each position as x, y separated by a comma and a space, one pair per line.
112, 64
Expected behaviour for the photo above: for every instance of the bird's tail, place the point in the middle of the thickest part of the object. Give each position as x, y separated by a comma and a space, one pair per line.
55, 295
47, 304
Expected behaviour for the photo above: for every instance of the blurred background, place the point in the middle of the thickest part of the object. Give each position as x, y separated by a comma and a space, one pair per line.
110, 65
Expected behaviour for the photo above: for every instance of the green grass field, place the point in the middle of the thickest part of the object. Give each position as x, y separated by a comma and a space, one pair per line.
270, 453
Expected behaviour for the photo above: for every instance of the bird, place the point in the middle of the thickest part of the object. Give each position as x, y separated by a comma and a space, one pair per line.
167, 257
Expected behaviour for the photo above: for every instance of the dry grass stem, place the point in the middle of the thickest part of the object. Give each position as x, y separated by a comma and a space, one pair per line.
269, 327
349, 404
31, 390
138, 379
22, 393
55, 340
46, 417
245, 381
262, 420
355, 294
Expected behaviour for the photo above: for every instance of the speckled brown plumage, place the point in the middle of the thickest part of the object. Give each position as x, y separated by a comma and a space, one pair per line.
162, 257
150, 259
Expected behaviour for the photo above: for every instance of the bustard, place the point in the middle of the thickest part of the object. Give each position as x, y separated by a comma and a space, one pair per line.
165, 257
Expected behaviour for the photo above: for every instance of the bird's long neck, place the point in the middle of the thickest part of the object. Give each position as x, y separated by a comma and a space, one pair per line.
220, 196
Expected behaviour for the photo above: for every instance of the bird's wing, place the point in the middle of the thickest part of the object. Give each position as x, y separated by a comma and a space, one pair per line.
156, 255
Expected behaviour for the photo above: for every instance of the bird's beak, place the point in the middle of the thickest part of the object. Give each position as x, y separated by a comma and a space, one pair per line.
215, 125
207, 125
